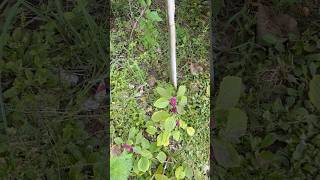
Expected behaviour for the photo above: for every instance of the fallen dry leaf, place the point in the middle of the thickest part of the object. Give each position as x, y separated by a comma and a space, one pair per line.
152, 81
269, 22
195, 68
115, 150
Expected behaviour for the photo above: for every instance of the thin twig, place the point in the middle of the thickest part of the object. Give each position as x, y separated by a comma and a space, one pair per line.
136, 22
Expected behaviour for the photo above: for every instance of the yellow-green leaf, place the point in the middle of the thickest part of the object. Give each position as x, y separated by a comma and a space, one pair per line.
190, 131
143, 164
169, 124
181, 91
180, 174
159, 116
161, 103
176, 135
161, 156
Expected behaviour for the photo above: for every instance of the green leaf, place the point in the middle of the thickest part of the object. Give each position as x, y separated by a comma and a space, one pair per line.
190, 131
163, 139
180, 109
183, 101
148, 2
229, 92
120, 166
132, 133
161, 156
118, 140
159, 116
176, 135
143, 164
314, 91
151, 130
189, 172
161, 103
313, 57
161, 177
225, 154
163, 92
169, 124
181, 91
137, 149
154, 16
180, 174
268, 140
183, 124
129, 142
145, 153
142, 3
236, 125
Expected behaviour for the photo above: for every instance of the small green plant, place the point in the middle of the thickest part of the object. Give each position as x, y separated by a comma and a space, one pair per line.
150, 146
147, 25
236, 126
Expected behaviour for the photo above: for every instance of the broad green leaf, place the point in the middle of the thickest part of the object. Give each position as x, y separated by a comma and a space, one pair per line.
137, 149
189, 172
163, 92
142, 3
161, 177
148, 2
229, 92
163, 138
132, 132
140, 139
130, 142
161, 156
314, 91
159, 139
225, 153
151, 130
143, 164
268, 140
166, 137
176, 135
120, 166
159, 116
145, 153
190, 131
236, 125
180, 174
154, 16
159, 169
180, 109
169, 124
183, 124
181, 91
118, 140
161, 103
183, 101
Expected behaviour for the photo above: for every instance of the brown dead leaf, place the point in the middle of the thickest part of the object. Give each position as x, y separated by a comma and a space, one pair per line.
115, 150
269, 22
195, 68
140, 47
152, 81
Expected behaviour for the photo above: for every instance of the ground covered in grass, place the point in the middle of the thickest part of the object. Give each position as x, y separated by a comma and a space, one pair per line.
140, 63
273, 46
53, 62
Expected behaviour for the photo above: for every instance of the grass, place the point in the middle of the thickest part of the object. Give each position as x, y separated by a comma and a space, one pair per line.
48, 133
280, 141
134, 66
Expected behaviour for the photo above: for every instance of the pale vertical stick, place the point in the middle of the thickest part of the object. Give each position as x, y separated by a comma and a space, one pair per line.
172, 28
